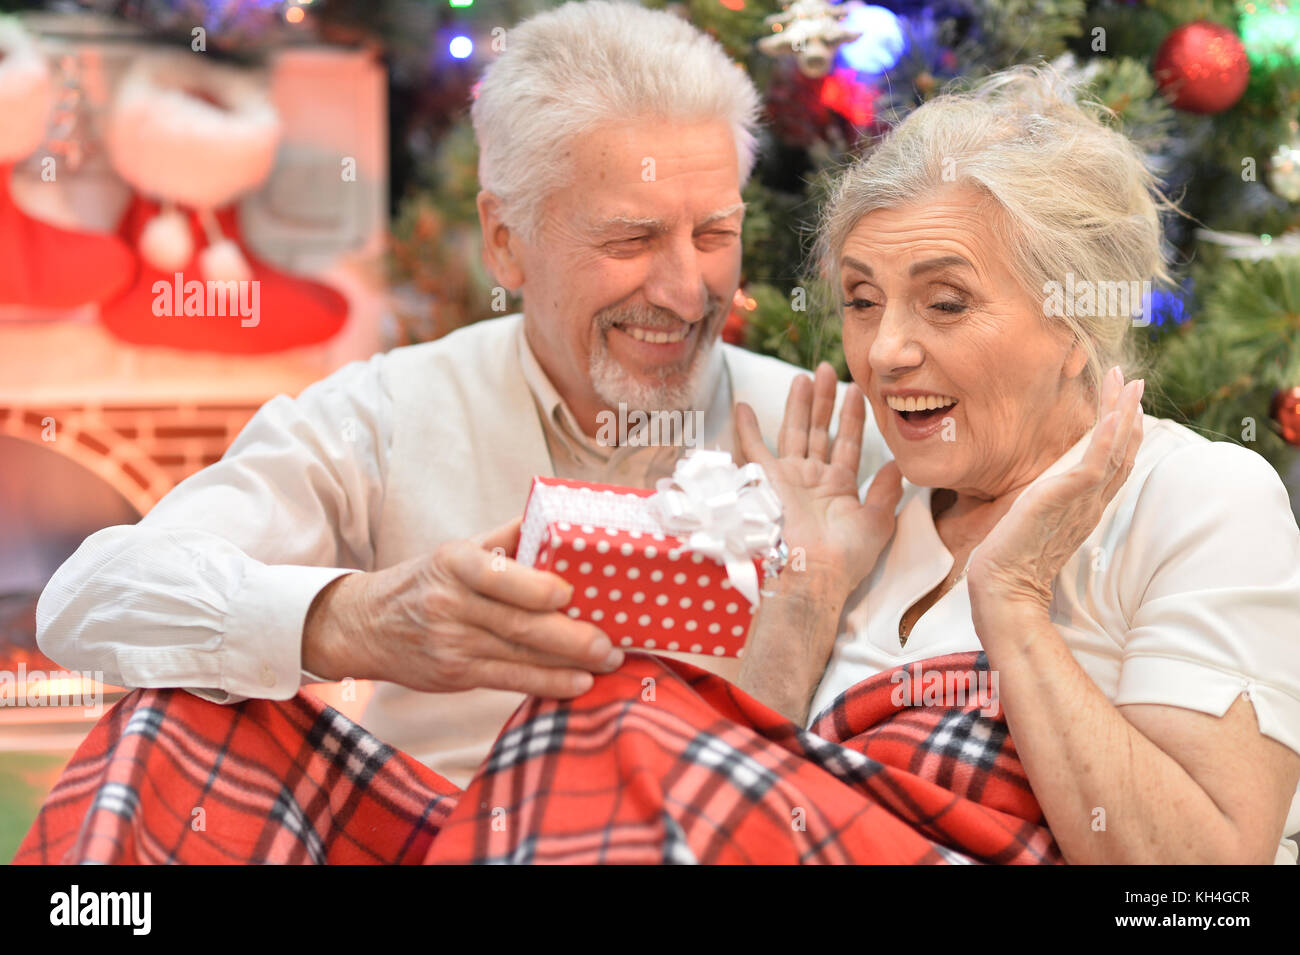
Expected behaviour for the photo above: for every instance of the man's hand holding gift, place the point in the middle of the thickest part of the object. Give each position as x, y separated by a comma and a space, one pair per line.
601, 569
460, 618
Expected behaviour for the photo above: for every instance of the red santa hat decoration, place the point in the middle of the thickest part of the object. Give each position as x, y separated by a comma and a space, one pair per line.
195, 135
191, 136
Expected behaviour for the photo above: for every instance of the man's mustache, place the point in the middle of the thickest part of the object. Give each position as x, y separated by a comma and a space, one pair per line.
652, 317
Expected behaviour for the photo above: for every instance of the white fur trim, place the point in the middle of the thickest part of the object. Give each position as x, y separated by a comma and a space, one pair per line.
166, 242
25, 94
223, 262
169, 144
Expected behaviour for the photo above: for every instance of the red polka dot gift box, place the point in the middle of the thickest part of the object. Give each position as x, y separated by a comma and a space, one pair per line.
678, 568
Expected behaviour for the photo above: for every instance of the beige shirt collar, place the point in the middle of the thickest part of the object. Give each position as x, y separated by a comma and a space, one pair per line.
576, 455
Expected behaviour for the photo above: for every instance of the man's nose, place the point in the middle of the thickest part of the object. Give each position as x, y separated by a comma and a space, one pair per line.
676, 280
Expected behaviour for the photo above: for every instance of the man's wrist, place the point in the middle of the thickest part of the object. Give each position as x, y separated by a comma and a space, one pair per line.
328, 631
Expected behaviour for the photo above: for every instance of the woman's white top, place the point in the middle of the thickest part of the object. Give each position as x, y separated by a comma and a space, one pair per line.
1187, 593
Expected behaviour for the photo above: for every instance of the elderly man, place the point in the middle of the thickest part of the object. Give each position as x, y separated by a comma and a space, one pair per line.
611, 201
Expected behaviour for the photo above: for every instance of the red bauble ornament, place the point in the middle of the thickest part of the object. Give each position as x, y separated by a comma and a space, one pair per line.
796, 115
843, 92
1202, 67
1285, 410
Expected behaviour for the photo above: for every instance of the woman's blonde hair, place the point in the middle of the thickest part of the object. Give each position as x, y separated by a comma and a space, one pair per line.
1072, 194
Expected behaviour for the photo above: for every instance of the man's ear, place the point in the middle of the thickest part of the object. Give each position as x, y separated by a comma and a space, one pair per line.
500, 253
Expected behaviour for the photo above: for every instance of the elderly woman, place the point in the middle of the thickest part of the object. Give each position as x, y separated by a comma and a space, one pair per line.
1136, 587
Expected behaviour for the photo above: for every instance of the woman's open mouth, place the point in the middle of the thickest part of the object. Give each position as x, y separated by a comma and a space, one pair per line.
919, 416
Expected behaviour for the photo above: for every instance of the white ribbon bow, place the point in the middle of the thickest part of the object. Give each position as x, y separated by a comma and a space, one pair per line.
730, 514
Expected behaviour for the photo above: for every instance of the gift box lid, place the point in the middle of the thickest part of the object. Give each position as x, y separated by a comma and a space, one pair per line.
554, 500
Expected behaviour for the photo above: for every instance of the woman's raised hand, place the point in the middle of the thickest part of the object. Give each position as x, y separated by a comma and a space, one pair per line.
1016, 564
816, 478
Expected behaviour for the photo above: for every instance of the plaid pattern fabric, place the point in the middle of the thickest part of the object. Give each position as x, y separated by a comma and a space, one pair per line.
168, 777
660, 762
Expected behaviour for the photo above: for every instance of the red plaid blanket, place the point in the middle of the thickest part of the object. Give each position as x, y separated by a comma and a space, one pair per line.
659, 762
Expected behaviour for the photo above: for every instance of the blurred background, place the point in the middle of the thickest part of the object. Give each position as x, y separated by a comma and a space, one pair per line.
323, 148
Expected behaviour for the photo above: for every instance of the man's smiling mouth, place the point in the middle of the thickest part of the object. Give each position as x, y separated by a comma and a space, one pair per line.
656, 336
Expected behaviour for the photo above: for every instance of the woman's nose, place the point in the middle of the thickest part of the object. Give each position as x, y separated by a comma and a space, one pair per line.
895, 346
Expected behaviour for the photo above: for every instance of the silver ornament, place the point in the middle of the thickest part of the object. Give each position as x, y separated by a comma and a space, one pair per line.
810, 29
1284, 170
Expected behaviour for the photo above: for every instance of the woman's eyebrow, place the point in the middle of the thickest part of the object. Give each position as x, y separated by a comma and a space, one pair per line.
859, 266
929, 265
942, 262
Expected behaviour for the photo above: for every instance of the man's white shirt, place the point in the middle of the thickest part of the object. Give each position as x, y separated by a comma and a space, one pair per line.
379, 462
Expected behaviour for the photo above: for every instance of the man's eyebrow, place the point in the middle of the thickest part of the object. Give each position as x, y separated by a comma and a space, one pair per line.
615, 223
721, 214
656, 226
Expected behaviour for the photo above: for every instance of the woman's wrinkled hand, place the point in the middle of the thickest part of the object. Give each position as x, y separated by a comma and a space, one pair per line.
816, 478
1016, 564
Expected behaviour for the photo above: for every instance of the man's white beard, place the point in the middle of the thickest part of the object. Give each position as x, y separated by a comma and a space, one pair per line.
615, 385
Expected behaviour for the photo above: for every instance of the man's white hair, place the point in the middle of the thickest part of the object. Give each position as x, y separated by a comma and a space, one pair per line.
586, 64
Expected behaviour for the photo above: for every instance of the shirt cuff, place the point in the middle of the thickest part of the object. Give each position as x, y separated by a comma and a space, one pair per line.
262, 648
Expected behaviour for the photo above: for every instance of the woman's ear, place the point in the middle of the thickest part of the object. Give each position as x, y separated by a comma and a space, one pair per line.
1076, 360
500, 253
